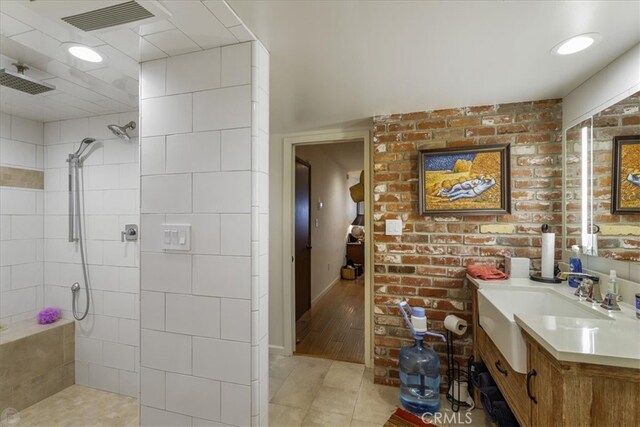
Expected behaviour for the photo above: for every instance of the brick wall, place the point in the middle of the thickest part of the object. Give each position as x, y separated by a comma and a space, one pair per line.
427, 263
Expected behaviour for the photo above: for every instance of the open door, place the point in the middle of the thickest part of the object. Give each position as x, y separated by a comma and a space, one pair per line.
302, 237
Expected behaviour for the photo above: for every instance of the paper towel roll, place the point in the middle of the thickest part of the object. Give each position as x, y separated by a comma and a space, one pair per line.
548, 253
455, 324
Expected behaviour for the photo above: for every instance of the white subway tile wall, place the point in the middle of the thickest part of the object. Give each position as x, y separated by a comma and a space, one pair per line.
204, 346
21, 222
107, 341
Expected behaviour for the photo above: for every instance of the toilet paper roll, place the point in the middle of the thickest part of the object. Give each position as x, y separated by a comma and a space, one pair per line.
455, 324
548, 251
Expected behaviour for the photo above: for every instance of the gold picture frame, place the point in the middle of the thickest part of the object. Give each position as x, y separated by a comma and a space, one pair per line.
471, 180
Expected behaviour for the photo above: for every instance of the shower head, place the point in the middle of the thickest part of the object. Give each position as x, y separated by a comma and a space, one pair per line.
83, 146
121, 131
19, 81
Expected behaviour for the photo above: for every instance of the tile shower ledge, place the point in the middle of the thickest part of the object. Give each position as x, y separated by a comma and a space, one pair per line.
609, 342
24, 328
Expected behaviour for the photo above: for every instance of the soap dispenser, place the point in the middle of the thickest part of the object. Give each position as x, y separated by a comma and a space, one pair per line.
575, 266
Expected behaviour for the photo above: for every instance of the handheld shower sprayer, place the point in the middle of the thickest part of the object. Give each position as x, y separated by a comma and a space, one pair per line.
83, 146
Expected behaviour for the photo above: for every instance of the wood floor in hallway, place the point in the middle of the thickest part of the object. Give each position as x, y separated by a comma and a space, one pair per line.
334, 326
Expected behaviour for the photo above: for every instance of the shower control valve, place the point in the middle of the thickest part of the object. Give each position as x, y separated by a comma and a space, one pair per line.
130, 233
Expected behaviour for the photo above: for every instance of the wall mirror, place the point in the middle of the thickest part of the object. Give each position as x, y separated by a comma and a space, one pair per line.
602, 174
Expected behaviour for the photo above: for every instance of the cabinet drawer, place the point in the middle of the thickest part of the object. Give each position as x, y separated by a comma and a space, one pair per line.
511, 383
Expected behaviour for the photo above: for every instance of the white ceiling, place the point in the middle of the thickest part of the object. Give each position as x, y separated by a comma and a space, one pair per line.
32, 32
349, 155
334, 62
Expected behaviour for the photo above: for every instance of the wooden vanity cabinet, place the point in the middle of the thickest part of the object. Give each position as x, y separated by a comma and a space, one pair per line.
556, 393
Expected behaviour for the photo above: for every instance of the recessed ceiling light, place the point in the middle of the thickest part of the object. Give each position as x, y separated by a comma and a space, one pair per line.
83, 52
575, 44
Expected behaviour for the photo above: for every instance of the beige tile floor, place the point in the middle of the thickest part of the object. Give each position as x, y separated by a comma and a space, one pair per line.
79, 406
306, 391
303, 391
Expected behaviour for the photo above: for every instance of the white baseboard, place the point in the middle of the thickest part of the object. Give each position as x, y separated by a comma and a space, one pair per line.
325, 290
277, 349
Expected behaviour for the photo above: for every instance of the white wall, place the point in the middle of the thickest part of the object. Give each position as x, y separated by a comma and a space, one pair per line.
204, 313
21, 232
616, 81
276, 297
107, 340
330, 185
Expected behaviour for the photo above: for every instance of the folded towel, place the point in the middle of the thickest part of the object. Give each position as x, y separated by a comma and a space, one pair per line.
486, 272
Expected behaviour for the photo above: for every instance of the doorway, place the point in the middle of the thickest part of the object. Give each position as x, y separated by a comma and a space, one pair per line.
329, 306
303, 237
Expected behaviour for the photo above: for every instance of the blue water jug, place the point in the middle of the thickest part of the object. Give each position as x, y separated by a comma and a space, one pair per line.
419, 366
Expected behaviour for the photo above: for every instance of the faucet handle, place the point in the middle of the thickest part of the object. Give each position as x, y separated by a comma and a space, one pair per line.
610, 301
584, 288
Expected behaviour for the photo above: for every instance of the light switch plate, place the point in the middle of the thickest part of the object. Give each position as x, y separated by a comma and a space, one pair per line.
393, 227
176, 237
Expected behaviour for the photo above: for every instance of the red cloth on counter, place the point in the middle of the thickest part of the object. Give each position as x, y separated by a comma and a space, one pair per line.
486, 272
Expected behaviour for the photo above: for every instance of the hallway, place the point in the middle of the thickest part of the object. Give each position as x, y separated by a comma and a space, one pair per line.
334, 326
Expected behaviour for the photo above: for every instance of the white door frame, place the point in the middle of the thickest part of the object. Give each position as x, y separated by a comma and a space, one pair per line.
288, 235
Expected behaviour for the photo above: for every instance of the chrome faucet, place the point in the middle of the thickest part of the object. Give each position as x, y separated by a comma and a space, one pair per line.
585, 288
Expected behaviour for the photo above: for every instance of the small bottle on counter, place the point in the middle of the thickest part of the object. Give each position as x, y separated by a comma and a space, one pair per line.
613, 284
575, 266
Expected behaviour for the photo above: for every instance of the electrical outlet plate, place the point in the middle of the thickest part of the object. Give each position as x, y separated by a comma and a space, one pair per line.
176, 237
393, 227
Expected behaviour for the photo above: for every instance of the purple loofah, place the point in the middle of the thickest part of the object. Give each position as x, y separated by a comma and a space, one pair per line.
48, 315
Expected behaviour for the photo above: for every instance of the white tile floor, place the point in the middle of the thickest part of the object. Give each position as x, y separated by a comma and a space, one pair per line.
306, 391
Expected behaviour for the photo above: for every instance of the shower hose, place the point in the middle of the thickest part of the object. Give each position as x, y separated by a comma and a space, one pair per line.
76, 286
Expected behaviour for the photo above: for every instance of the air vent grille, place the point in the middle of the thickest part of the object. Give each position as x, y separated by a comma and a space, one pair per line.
23, 83
110, 16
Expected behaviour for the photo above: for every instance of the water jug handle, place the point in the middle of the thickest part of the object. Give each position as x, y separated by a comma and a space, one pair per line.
405, 308
434, 334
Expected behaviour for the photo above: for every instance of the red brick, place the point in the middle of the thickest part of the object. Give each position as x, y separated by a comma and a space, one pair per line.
404, 146
480, 131
387, 137
432, 124
420, 115
456, 122
447, 112
416, 136
532, 138
400, 127
631, 120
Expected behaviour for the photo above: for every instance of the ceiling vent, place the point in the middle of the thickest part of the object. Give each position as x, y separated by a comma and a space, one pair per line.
109, 16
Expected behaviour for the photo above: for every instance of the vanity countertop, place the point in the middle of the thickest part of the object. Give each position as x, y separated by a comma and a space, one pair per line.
611, 342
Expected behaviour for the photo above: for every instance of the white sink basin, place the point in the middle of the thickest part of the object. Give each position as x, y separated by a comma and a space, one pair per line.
497, 306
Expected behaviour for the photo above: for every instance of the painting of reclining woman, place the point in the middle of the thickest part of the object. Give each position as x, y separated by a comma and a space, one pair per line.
626, 175
470, 180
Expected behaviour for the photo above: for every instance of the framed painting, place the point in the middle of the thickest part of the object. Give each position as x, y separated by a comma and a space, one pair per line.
625, 183
468, 180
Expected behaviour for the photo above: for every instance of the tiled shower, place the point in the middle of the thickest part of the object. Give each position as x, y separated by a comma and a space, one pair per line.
185, 332
39, 264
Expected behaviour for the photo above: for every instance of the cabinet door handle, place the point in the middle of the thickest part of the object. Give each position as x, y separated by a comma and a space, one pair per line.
502, 370
531, 373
